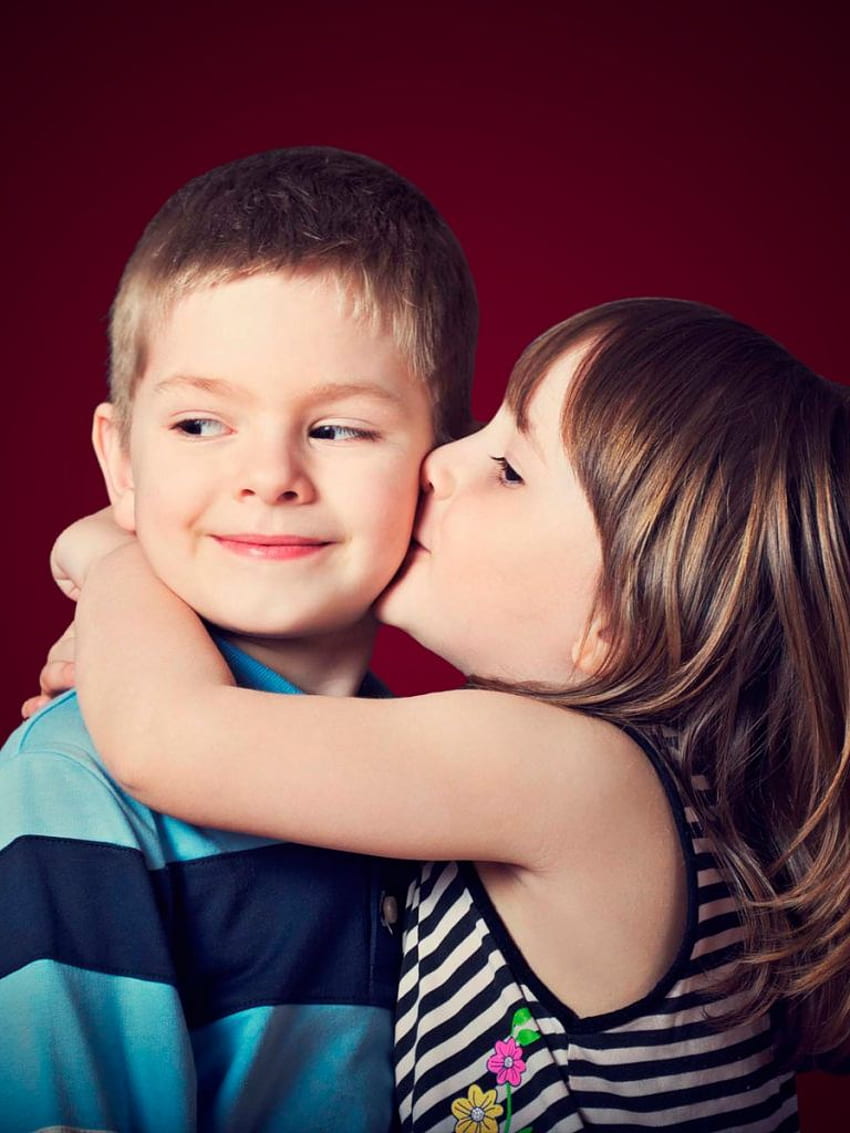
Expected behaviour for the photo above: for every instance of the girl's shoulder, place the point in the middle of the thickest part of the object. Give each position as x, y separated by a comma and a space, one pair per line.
606, 861
577, 774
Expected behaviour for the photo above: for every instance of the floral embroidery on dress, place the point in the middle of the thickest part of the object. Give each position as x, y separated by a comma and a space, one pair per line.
507, 1063
479, 1110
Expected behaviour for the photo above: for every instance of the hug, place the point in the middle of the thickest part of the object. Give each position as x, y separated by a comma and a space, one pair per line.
606, 884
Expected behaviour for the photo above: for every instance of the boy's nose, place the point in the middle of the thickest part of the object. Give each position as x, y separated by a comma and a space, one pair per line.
276, 477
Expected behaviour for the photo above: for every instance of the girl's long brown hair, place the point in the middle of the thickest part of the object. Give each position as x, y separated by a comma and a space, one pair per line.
718, 469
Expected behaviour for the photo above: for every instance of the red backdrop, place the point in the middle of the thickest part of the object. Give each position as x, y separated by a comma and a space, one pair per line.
697, 151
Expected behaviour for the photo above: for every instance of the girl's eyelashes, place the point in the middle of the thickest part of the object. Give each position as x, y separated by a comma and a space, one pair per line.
333, 432
507, 473
200, 427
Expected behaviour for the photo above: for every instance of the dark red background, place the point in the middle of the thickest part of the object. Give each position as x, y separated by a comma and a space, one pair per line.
679, 149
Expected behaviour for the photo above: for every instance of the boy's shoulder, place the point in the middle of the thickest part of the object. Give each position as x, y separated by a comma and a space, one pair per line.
54, 785
58, 734
58, 726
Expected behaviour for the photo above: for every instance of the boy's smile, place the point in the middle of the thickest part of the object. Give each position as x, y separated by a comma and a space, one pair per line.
274, 455
271, 546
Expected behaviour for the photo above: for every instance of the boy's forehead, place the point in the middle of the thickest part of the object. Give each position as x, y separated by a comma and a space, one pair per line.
278, 331
273, 314
327, 293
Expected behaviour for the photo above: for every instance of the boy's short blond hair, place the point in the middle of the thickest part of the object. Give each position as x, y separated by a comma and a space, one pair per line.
309, 210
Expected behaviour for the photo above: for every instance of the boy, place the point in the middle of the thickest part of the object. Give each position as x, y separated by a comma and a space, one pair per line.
290, 336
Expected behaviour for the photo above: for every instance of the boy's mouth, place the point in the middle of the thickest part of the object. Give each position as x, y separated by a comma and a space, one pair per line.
276, 547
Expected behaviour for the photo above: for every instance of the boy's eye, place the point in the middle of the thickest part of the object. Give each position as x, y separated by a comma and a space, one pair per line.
200, 427
507, 474
333, 432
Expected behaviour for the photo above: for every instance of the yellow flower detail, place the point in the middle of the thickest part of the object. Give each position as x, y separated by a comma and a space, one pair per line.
477, 1112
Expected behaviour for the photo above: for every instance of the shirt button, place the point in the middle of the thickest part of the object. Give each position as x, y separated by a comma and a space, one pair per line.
389, 910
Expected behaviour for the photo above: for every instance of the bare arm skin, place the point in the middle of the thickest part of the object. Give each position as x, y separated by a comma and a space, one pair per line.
563, 814
415, 777
82, 544
77, 547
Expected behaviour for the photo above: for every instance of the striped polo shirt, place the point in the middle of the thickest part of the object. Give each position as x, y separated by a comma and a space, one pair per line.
158, 977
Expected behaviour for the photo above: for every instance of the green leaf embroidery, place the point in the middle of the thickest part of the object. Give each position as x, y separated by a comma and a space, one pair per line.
527, 1037
523, 1015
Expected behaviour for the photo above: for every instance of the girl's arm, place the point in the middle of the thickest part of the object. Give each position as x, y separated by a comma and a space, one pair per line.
464, 774
81, 545
72, 554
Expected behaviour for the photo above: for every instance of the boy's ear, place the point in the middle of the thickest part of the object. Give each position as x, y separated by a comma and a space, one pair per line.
590, 651
113, 456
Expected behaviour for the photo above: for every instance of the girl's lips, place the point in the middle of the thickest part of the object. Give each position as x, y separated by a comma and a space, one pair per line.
276, 547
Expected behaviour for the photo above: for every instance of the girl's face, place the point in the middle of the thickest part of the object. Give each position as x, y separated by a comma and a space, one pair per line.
502, 573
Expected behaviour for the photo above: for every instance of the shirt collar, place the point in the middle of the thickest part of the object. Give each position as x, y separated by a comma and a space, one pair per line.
250, 673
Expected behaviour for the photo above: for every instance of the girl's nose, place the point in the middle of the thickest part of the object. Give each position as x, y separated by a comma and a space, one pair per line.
440, 468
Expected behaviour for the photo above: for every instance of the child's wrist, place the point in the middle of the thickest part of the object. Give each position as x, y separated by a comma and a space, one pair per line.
81, 546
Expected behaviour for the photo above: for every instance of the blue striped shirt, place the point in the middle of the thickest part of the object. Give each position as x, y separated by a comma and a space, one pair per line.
157, 976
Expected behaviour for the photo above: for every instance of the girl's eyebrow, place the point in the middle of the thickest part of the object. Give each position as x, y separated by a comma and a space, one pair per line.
529, 433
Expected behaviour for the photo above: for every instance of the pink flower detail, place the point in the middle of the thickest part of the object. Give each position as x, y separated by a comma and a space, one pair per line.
507, 1063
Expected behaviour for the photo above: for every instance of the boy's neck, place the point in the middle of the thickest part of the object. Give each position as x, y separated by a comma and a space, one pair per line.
332, 663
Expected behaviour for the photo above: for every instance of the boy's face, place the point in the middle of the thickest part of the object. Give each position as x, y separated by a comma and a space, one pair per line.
273, 464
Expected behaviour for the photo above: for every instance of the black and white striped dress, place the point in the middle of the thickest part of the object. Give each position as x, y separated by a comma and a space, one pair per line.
482, 1046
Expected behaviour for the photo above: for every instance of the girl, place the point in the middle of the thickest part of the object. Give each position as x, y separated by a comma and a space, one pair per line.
637, 908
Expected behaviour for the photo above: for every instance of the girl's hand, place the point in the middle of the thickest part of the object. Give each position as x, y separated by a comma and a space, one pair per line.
74, 553
79, 547
56, 676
